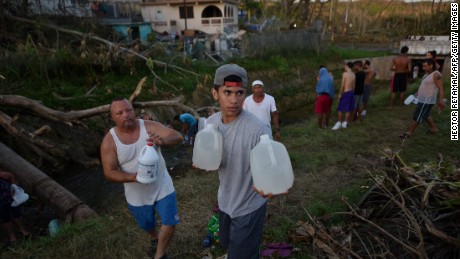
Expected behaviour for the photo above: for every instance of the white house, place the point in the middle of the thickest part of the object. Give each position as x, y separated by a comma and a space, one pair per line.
420, 45
171, 16
176, 16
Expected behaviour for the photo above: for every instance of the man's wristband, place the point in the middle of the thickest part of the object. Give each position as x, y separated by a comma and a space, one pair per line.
277, 129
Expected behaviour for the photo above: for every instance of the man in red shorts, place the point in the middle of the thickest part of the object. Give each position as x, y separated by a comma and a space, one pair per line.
325, 91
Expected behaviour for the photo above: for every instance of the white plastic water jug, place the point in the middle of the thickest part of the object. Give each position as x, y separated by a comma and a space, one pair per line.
411, 99
147, 164
207, 152
271, 166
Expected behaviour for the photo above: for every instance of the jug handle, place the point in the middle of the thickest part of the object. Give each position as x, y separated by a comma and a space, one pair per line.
143, 150
271, 153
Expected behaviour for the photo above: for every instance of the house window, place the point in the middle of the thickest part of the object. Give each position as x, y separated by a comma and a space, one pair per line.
183, 11
172, 22
211, 11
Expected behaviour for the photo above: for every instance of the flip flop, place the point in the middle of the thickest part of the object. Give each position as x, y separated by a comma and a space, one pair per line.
404, 135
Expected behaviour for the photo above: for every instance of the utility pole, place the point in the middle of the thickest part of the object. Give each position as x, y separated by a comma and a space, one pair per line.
346, 13
185, 16
330, 10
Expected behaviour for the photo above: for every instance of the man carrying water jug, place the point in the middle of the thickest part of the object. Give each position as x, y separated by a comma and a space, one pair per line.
120, 150
242, 208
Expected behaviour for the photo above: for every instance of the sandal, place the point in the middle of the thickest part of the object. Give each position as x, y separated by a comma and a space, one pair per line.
404, 135
152, 248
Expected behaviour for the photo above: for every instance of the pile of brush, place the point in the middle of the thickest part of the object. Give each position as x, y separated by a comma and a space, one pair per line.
408, 212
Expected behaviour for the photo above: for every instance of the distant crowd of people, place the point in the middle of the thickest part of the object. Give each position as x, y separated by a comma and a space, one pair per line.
356, 87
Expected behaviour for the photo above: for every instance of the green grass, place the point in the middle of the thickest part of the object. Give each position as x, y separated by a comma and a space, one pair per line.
357, 53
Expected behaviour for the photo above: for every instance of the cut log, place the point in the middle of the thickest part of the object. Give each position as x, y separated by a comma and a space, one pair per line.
37, 183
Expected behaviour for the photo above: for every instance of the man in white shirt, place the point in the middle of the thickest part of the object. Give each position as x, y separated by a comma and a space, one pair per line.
263, 106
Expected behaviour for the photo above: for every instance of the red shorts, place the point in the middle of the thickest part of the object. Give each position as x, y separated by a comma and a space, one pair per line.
323, 104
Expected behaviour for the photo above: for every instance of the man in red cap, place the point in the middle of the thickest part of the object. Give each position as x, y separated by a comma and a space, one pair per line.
242, 208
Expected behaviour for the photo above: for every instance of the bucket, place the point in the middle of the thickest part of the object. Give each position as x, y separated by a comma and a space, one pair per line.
147, 164
207, 151
271, 167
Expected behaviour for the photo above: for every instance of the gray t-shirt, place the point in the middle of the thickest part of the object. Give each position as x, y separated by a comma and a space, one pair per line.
236, 196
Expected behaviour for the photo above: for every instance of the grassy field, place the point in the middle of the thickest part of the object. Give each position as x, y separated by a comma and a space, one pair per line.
328, 165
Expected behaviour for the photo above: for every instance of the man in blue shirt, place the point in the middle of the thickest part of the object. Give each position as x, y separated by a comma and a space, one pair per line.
325, 91
189, 126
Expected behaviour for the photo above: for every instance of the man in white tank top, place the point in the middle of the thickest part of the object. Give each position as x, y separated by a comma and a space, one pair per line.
263, 106
120, 150
429, 93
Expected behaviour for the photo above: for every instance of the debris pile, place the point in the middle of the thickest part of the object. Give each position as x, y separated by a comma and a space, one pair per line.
409, 212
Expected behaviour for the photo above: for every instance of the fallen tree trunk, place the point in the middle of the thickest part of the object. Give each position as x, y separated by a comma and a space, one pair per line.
37, 183
72, 117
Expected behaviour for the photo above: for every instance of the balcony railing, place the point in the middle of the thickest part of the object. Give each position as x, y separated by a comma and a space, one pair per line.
216, 21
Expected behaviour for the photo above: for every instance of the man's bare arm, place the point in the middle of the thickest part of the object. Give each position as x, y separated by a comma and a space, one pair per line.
438, 81
161, 135
393, 65
342, 86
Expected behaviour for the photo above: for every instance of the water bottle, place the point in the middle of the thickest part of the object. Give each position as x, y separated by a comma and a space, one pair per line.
147, 164
207, 152
53, 227
271, 167
207, 241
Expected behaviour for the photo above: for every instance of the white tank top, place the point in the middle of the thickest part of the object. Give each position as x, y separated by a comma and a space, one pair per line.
428, 91
139, 194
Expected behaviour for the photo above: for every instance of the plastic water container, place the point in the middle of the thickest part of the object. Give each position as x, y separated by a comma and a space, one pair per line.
271, 166
53, 227
410, 99
207, 152
147, 164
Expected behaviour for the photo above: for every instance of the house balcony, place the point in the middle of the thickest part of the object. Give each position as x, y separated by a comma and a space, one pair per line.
216, 21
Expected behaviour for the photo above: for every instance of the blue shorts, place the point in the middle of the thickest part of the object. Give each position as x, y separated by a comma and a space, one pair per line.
166, 208
422, 112
358, 101
367, 93
192, 130
241, 236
